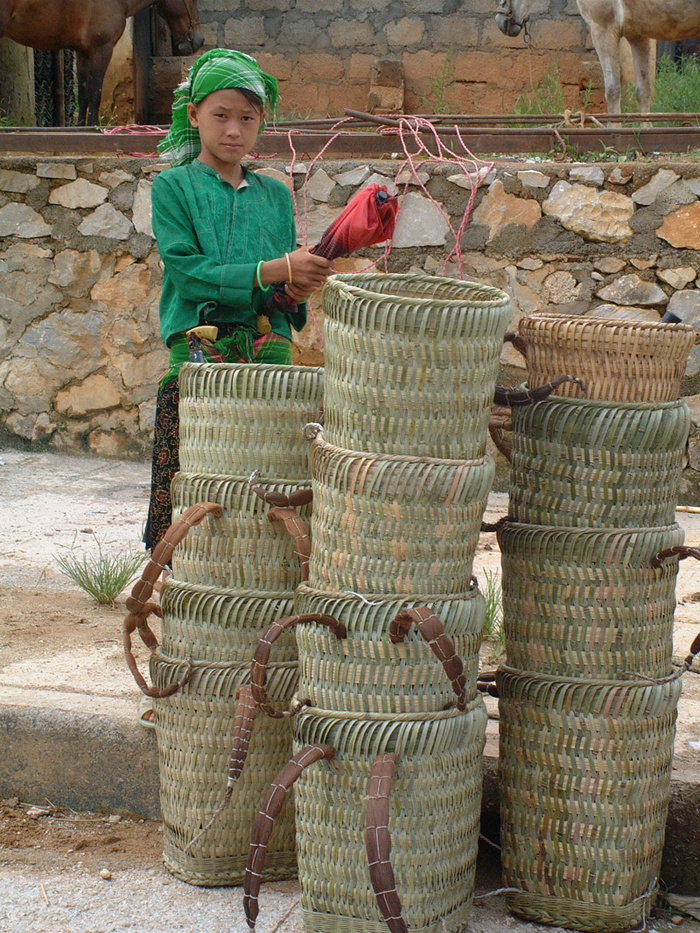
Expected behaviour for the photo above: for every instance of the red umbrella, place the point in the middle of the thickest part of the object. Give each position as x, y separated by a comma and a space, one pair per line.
369, 218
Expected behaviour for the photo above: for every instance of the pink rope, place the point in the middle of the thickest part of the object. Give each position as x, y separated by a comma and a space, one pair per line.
475, 170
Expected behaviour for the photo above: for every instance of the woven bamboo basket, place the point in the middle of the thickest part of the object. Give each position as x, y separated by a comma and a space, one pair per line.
618, 361
597, 464
585, 771
194, 734
367, 672
243, 549
411, 363
207, 623
435, 808
389, 524
588, 603
240, 417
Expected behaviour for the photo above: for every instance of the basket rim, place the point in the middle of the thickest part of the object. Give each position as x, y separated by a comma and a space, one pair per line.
259, 368
603, 322
207, 589
476, 703
343, 281
319, 440
304, 589
645, 530
636, 682
603, 404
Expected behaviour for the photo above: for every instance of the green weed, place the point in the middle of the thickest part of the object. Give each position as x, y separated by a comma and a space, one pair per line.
546, 97
439, 98
677, 86
100, 575
493, 623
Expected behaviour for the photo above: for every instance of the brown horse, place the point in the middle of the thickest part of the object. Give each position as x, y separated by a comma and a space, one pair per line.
92, 28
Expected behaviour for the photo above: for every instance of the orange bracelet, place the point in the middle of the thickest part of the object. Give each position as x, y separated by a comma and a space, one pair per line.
290, 277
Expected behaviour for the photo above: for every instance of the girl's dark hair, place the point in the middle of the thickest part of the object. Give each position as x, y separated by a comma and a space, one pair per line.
252, 98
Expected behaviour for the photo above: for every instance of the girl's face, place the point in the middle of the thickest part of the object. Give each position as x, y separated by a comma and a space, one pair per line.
228, 125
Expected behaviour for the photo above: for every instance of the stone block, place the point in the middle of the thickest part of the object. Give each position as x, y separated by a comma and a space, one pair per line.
244, 32
269, 172
17, 182
387, 72
106, 221
419, 223
56, 170
600, 216
96, 393
406, 32
444, 32
360, 66
79, 193
348, 33
498, 209
281, 66
321, 67
22, 221
385, 99
681, 228
632, 290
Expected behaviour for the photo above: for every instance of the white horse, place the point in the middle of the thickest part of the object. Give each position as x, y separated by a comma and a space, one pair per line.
638, 21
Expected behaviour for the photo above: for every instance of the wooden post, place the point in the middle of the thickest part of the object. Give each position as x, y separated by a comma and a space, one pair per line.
17, 86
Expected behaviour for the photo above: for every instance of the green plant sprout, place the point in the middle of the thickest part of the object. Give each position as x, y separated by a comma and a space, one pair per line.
102, 576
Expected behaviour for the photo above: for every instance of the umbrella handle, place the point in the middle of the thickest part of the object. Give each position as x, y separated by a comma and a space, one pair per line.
138, 605
441, 644
298, 530
513, 398
378, 843
258, 671
680, 551
265, 821
280, 499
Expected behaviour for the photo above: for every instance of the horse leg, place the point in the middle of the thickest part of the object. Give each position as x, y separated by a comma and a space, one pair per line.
606, 42
642, 56
91, 67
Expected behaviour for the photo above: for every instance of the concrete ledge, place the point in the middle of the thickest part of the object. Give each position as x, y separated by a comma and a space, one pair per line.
101, 761
106, 762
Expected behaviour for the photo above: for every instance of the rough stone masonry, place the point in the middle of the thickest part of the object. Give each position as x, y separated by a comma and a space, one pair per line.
80, 351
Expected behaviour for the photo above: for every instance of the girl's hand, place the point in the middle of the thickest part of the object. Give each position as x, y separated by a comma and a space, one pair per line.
309, 271
296, 294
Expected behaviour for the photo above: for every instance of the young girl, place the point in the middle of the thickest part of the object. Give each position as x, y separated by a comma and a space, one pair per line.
225, 235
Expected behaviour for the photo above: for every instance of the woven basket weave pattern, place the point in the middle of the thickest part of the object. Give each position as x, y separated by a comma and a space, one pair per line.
212, 624
434, 818
411, 363
593, 465
394, 524
618, 361
229, 424
242, 549
588, 603
585, 777
365, 672
194, 733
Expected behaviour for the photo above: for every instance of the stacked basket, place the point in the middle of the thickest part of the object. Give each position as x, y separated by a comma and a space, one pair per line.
233, 574
390, 620
587, 695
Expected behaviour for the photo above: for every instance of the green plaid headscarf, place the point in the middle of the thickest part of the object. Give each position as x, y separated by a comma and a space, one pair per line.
216, 70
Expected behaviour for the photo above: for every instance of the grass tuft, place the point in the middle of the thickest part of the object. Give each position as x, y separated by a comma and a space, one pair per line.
102, 576
493, 623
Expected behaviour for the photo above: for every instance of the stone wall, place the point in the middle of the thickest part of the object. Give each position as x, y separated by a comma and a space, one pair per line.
80, 353
453, 56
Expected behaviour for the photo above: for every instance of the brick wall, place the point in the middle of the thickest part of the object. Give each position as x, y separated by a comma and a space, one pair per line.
454, 57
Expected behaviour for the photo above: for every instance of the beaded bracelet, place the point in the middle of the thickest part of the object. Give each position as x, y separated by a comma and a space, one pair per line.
263, 288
